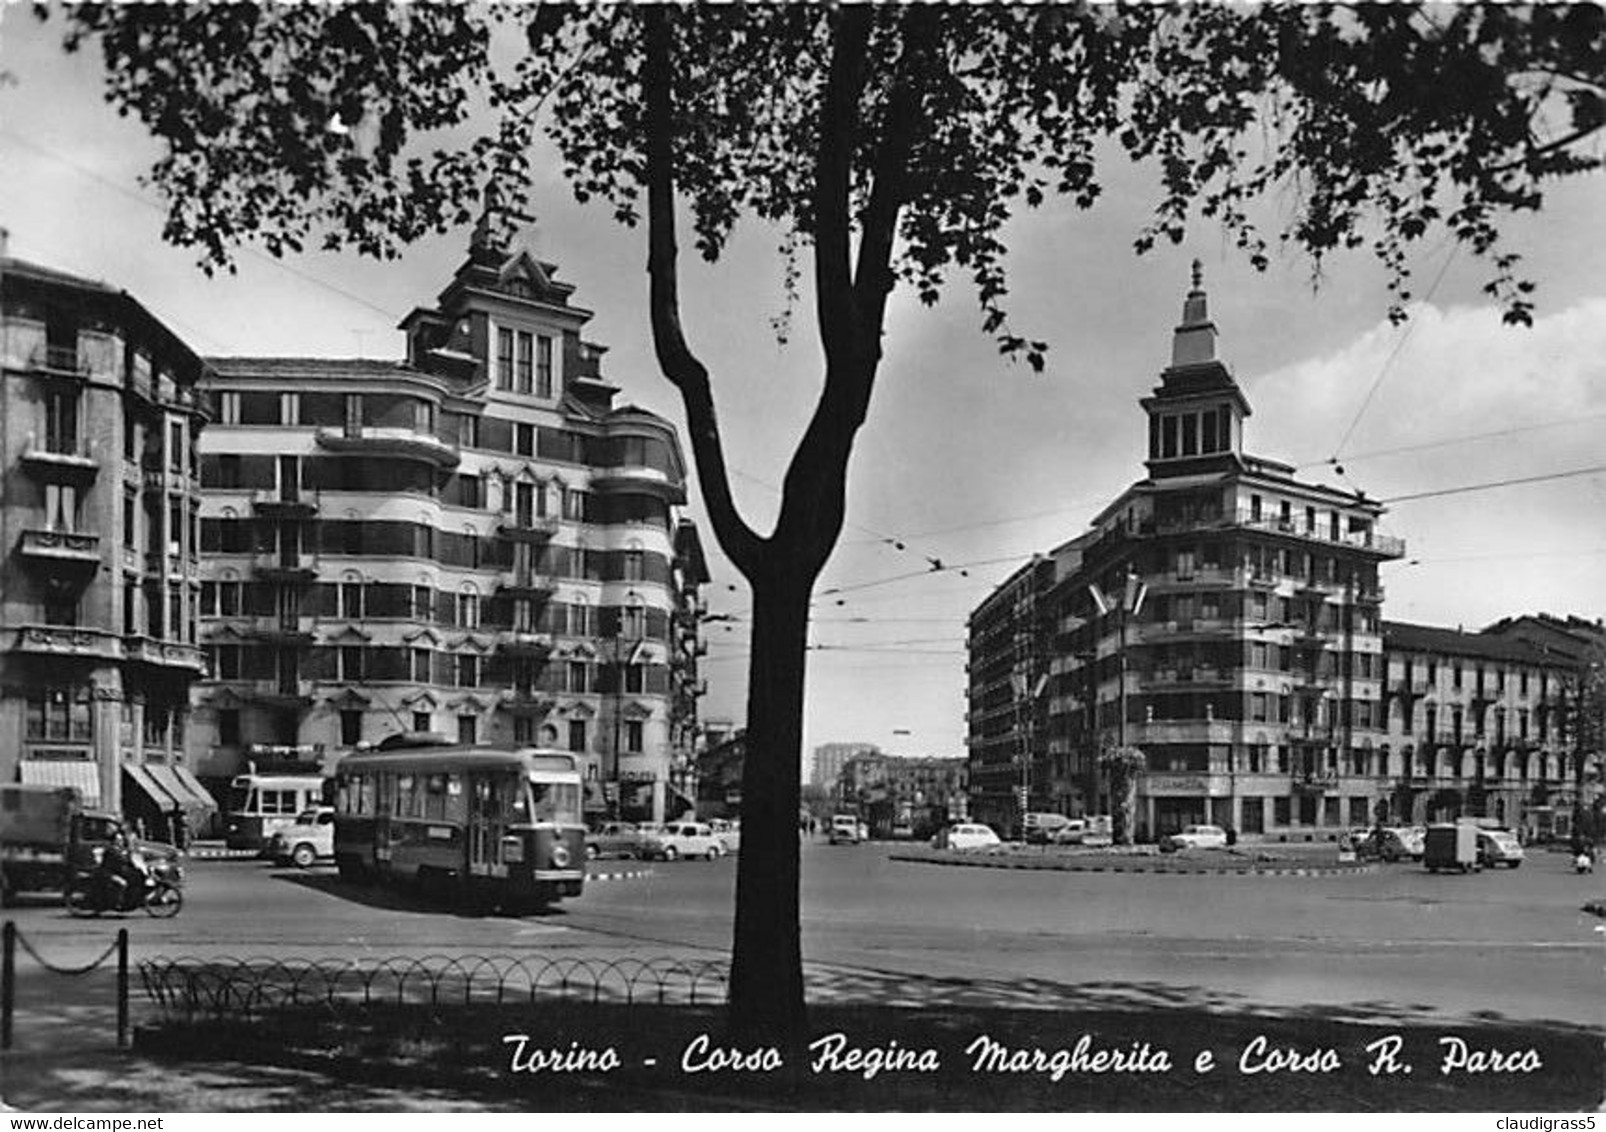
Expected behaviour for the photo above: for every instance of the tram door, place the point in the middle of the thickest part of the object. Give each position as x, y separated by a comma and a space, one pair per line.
487, 820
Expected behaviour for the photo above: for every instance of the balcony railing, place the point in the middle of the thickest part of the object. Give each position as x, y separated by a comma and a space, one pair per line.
60, 359
283, 567
382, 441
61, 548
68, 641
529, 528
56, 455
165, 654
526, 644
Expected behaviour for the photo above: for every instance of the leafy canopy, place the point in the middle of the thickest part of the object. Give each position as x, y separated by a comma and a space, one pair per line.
368, 126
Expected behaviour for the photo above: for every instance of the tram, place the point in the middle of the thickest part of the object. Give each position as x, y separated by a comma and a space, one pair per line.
481, 827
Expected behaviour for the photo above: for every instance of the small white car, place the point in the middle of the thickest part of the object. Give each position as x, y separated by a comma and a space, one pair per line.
682, 839
966, 837
305, 842
728, 832
1196, 837
1499, 847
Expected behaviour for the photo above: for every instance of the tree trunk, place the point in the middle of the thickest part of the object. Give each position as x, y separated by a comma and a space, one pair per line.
766, 993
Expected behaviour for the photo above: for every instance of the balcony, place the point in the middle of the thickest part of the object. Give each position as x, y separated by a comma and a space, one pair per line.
61, 549
289, 632
529, 528
525, 644
286, 569
1316, 782
281, 694
527, 584
1374, 542
165, 654
641, 479
69, 641
406, 443
58, 459
59, 361
1184, 678
283, 505
526, 701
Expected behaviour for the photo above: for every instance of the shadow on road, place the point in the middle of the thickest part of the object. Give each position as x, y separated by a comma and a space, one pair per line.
392, 899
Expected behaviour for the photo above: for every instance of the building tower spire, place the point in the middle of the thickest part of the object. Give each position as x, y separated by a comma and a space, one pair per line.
1194, 341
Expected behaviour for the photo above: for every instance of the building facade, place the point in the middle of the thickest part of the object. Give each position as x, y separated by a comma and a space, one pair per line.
897, 796
1221, 616
101, 580
1483, 724
830, 758
478, 539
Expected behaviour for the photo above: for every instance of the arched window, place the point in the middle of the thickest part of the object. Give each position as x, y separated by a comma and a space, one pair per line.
580, 619
468, 606
633, 624
351, 595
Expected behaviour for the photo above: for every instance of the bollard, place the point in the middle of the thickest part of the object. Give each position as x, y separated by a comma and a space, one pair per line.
8, 981
122, 988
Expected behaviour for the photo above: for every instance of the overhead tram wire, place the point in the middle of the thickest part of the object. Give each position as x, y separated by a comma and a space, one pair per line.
1453, 440
1490, 485
1388, 363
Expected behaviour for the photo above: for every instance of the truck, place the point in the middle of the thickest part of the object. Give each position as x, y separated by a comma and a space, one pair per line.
1451, 845
45, 835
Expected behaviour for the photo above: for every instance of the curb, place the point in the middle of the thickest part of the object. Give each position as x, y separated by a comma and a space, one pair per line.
1202, 870
217, 853
622, 874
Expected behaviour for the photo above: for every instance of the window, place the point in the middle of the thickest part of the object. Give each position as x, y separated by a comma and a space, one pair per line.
351, 662
260, 409
576, 505
633, 734
524, 439
420, 670
226, 662
468, 608
228, 727
421, 721
61, 507
423, 603
60, 608
175, 446
59, 713
579, 676
634, 565
635, 678
634, 623
1168, 437
61, 421
467, 730
1208, 442
1190, 435
467, 670
525, 365
351, 603
350, 728
543, 366
577, 735
504, 359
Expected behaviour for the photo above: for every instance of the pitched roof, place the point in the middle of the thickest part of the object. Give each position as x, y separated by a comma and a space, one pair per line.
1403, 636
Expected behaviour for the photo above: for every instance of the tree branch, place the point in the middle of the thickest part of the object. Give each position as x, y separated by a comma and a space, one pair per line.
683, 369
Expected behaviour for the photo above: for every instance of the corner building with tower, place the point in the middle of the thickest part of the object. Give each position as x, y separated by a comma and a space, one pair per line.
479, 539
1221, 615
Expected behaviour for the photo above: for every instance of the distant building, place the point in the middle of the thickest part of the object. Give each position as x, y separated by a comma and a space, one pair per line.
830, 758
719, 777
894, 794
476, 539
101, 579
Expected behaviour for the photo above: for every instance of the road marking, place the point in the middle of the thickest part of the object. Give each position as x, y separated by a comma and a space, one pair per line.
543, 929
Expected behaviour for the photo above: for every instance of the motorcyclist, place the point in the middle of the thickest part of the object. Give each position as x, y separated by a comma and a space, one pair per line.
121, 869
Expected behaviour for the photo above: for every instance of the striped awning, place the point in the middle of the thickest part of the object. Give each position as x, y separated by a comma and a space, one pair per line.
167, 777
82, 775
187, 778
142, 778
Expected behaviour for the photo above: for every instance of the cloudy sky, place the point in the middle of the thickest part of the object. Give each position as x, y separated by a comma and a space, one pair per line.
967, 461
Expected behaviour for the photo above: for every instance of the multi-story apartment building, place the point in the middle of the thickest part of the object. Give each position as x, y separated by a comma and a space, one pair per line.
101, 579
1480, 723
478, 539
1221, 615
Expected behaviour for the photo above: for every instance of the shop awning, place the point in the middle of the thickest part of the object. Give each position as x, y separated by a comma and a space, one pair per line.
191, 801
81, 774
146, 783
187, 778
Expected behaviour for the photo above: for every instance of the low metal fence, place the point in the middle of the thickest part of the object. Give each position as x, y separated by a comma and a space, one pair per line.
189, 987
12, 940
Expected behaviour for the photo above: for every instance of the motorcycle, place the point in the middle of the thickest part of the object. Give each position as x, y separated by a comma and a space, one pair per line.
160, 894
1584, 862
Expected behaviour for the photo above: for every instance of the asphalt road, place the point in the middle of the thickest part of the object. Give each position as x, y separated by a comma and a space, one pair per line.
1398, 942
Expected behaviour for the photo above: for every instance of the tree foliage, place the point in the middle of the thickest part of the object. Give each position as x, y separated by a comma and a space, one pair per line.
892, 145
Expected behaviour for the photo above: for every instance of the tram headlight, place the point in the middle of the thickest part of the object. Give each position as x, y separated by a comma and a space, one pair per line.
560, 857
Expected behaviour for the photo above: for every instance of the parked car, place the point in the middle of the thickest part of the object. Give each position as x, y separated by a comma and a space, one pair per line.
1195, 837
728, 832
306, 841
1499, 847
965, 837
613, 838
683, 839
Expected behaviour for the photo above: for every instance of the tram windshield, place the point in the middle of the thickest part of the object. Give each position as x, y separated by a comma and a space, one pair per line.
557, 802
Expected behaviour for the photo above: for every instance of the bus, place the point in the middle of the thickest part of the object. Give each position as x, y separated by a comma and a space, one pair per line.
262, 804
482, 827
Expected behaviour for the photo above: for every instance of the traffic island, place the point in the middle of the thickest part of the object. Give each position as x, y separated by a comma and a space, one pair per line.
1143, 859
